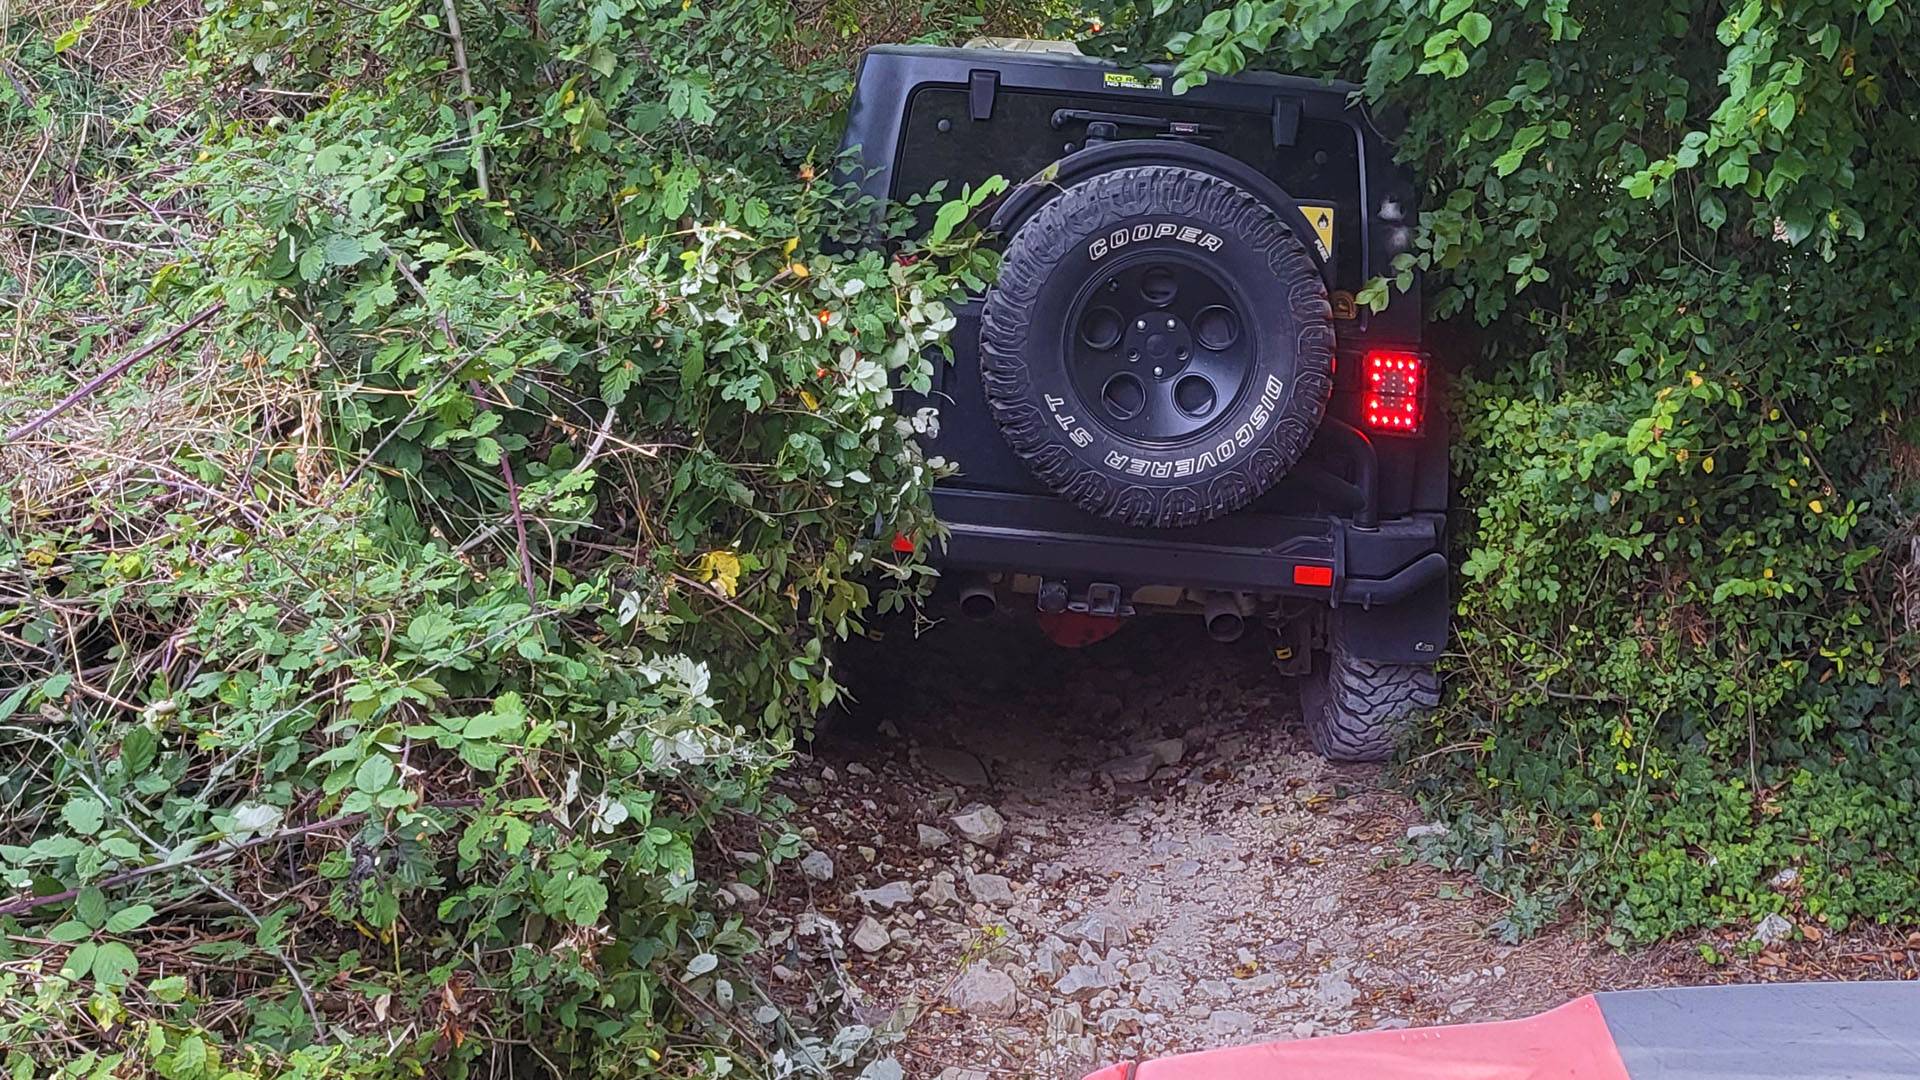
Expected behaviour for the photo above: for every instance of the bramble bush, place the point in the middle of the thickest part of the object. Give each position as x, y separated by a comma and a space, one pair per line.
1677, 238
384, 658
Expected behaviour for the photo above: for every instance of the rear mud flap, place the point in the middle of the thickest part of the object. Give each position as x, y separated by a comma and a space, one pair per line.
1409, 631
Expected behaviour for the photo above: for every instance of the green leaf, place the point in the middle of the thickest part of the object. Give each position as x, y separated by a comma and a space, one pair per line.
90, 907
491, 725
84, 814
11, 703
79, 962
1476, 28
374, 774
138, 748
343, 250
945, 220
170, 989
129, 918
1713, 213
114, 964
191, 1057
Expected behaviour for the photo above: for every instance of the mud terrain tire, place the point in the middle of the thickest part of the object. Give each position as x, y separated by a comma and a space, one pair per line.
1262, 378
1357, 710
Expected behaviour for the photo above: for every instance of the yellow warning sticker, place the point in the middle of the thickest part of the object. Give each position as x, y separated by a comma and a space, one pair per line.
1320, 216
1124, 81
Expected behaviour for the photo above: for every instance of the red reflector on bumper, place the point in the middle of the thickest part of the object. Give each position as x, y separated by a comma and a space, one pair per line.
1318, 576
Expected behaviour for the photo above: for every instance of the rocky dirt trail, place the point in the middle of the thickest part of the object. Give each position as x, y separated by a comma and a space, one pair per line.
1044, 860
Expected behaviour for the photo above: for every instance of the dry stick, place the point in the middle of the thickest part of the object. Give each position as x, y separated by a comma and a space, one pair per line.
28, 903
466, 97
519, 526
593, 451
116, 370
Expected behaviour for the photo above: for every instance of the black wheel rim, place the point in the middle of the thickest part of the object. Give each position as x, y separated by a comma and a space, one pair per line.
1159, 347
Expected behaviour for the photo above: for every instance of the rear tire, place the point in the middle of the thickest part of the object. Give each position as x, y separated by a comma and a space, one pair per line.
1357, 710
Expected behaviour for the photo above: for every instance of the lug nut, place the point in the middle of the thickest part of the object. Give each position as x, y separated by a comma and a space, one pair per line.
1142, 324
1169, 324
1156, 371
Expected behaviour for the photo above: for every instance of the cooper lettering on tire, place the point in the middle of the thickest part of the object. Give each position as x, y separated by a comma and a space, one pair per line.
1159, 346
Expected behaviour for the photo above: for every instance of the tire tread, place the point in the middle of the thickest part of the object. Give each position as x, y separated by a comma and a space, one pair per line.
1359, 709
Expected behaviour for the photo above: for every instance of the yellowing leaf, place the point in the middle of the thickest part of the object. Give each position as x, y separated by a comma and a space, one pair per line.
1707, 464
809, 400
787, 248
798, 270
722, 569
1816, 507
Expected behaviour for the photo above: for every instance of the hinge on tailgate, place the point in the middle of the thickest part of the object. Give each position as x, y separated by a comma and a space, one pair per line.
1286, 121
981, 87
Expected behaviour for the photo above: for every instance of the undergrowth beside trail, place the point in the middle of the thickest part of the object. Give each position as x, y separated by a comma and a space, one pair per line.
439, 459
1673, 247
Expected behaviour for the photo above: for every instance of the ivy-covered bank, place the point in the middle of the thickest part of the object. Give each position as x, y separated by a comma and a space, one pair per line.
1674, 245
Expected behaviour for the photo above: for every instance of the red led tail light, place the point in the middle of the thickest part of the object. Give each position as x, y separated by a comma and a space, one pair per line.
1392, 399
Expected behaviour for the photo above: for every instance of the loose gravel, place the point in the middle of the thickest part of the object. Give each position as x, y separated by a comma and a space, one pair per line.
1048, 860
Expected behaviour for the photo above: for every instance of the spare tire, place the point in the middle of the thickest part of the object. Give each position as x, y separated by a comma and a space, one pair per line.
1158, 347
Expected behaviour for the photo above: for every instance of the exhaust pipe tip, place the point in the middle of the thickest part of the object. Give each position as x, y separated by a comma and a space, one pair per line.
1222, 617
978, 600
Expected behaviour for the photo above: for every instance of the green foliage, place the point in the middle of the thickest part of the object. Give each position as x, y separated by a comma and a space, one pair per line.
1682, 236
376, 674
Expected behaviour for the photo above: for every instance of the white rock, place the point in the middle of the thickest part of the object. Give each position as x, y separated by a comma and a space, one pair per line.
984, 991
818, 865
1083, 981
1773, 930
980, 824
1097, 928
1332, 991
1230, 1022
1065, 1020
886, 897
1167, 751
1431, 828
990, 888
1050, 957
870, 936
932, 839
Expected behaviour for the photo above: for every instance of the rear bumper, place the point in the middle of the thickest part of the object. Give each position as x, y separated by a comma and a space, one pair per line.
1320, 558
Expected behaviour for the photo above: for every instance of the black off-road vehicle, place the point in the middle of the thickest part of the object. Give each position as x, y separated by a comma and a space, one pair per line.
1169, 401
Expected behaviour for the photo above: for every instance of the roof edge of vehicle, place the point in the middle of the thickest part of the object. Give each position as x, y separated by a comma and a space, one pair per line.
1055, 58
